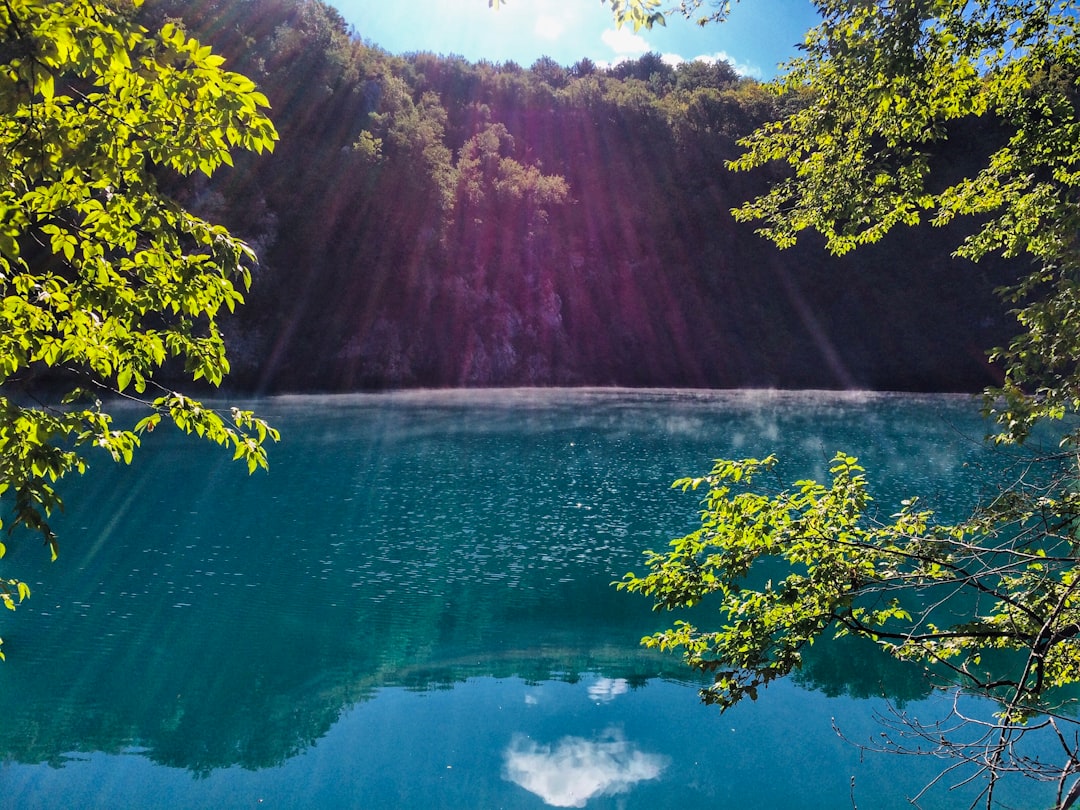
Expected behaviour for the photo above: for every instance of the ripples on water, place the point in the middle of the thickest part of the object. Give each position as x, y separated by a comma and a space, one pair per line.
420, 540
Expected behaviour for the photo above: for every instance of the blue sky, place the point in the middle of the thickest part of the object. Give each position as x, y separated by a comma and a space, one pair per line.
759, 34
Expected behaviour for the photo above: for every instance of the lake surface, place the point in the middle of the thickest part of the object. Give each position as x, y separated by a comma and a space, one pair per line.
413, 609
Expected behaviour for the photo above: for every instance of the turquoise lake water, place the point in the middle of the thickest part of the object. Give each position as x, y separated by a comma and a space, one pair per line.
413, 609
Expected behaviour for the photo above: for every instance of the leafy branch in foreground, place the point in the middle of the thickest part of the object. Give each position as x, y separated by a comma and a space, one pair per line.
647, 13
103, 278
991, 605
884, 85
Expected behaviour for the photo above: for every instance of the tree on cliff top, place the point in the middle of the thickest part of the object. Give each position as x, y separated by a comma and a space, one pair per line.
103, 279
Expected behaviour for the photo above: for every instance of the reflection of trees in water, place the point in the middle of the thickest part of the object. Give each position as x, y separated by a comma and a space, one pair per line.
230, 682
206, 717
262, 723
455, 537
854, 667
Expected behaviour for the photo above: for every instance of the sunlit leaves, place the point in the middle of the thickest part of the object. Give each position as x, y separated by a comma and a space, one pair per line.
835, 569
102, 275
639, 13
883, 85
492, 184
989, 606
647, 13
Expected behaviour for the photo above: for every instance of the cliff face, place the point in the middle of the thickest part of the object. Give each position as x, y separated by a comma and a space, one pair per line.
430, 222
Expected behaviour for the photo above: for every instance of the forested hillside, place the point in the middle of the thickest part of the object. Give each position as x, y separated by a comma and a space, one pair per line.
425, 221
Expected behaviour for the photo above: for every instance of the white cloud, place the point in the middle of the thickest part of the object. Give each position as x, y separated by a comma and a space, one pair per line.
548, 27
743, 69
604, 65
575, 770
628, 45
624, 42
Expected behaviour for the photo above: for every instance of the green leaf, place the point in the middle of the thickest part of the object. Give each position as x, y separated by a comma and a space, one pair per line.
133, 279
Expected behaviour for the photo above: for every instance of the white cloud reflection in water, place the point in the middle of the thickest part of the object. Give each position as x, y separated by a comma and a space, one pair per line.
575, 770
606, 690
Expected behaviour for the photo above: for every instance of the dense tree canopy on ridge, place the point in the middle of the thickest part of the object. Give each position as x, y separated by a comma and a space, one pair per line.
374, 274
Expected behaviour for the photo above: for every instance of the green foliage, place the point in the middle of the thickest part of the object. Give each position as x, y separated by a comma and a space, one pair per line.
886, 86
386, 278
990, 601
647, 13
491, 184
103, 278
906, 583
639, 13
990, 605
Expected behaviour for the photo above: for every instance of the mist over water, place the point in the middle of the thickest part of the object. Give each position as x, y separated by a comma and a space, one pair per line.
414, 608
